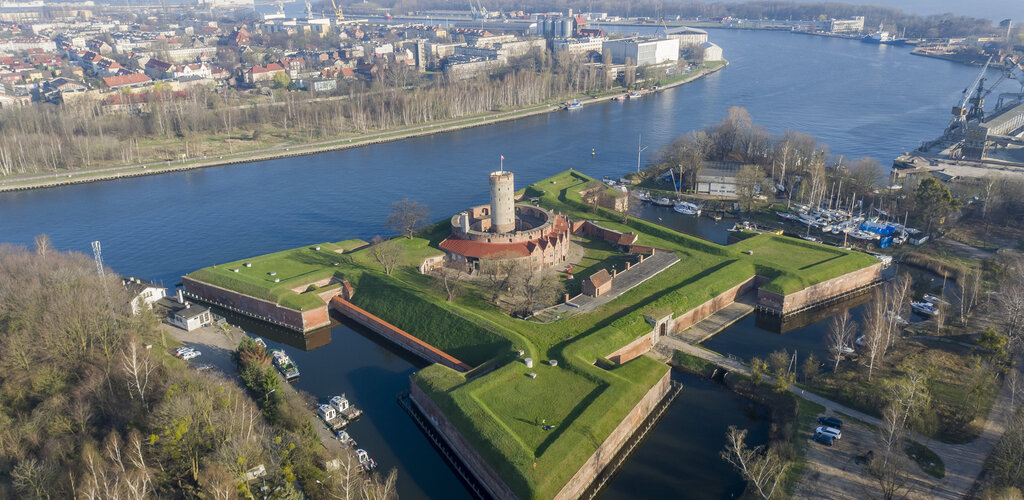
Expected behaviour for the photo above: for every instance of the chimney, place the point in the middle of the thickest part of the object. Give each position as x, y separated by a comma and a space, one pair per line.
181, 297
627, 265
614, 272
566, 298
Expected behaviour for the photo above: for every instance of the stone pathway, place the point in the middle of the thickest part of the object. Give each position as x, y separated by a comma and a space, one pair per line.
963, 462
623, 282
720, 320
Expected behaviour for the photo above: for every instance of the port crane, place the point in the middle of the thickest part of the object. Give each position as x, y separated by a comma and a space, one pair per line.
338, 14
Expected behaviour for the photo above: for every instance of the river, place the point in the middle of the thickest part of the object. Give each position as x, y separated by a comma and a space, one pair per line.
861, 99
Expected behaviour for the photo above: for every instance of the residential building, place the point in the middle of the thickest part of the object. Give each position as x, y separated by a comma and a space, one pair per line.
157, 69
129, 80
143, 294
257, 74
579, 45
184, 314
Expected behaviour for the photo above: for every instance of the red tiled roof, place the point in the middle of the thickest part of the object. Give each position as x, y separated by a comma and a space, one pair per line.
626, 239
265, 69
600, 278
482, 249
122, 80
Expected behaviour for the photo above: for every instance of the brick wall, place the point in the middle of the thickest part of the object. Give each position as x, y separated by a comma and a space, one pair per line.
820, 292
633, 350
397, 335
265, 310
479, 467
605, 453
712, 306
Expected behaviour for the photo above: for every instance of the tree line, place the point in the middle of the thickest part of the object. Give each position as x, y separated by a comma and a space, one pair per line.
82, 135
932, 26
92, 406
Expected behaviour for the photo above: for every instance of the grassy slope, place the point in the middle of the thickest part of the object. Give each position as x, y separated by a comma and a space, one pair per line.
496, 411
492, 410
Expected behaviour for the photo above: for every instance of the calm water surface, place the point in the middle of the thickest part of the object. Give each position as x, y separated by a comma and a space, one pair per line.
861, 99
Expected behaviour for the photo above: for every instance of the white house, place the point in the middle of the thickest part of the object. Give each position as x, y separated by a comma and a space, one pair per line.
184, 314
143, 293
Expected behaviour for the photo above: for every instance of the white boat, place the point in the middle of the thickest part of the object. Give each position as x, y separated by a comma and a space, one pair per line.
643, 196
925, 308
634, 94
932, 299
573, 105
885, 259
811, 239
787, 216
827, 228
662, 202
687, 208
848, 350
896, 319
862, 235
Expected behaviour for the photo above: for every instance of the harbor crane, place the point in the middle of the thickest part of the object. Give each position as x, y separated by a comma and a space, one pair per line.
975, 95
338, 14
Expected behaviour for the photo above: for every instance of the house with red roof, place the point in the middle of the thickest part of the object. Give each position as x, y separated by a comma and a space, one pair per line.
129, 80
257, 74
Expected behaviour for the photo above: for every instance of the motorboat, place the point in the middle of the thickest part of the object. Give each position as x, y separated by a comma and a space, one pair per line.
686, 208
925, 308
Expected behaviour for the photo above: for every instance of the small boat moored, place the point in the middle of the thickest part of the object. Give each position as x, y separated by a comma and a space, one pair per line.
924, 308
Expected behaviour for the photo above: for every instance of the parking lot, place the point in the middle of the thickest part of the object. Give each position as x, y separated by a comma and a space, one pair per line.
840, 471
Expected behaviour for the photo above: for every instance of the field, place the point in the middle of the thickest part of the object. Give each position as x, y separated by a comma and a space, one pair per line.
496, 406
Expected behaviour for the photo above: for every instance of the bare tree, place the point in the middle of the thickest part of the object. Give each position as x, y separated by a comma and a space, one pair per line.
533, 290
387, 253
875, 331
890, 469
969, 285
449, 281
43, 245
748, 180
840, 335
898, 303
408, 216
137, 368
762, 467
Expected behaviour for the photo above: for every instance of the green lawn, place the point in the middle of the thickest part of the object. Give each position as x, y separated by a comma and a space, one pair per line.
496, 411
293, 268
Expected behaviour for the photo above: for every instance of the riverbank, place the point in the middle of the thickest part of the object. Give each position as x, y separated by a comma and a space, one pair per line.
27, 182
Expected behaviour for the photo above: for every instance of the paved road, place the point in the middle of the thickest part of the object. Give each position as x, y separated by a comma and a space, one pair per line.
963, 461
623, 282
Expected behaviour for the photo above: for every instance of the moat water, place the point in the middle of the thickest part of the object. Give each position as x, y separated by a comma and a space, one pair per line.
860, 99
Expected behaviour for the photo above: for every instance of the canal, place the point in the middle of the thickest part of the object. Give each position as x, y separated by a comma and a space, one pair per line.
860, 99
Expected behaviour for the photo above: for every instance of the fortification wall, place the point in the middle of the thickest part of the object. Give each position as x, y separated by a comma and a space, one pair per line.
302, 321
605, 453
476, 464
397, 335
815, 294
695, 315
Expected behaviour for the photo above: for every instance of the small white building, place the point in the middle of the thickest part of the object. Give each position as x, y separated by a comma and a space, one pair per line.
142, 293
712, 52
184, 314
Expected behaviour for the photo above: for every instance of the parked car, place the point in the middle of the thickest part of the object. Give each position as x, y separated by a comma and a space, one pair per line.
831, 431
831, 422
824, 439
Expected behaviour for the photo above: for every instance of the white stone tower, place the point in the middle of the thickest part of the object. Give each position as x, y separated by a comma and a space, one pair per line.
503, 208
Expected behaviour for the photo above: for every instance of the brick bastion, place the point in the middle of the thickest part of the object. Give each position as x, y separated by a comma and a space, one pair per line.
823, 292
584, 477
271, 312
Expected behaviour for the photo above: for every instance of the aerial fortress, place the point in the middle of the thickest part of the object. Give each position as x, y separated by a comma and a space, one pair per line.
535, 407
